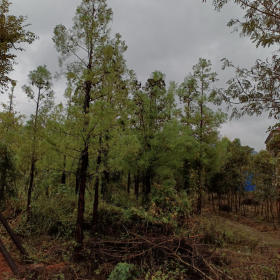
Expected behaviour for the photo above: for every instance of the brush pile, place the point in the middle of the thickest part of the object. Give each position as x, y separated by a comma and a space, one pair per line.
199, 259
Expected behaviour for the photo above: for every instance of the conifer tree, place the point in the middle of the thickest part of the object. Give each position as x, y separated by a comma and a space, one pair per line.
197, 93
154, 107
95, 90
40, 92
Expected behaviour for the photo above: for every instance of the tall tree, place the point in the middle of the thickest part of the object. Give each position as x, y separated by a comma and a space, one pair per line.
197, 93
93, 84
39, 90
154, 107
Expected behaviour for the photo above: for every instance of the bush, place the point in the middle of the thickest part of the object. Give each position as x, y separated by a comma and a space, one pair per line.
122, 199
115, 219
123, 271
50, 217
167, 203
166, 212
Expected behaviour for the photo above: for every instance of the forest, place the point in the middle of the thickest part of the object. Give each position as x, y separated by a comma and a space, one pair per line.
128, 179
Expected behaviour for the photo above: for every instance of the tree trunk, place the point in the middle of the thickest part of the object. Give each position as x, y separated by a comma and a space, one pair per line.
187, 174
148, 182
13, 236
136, 185
213, 202
77, 175
200, 190
81, 199
30, 187
8, 258
95, 202
104, 185
106, 194
128, 182
81, 176
200, 171
96, 187
33, 157
3, 184
63, 176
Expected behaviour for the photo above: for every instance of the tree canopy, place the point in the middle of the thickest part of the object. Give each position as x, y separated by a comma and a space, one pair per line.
256, 90
13, 35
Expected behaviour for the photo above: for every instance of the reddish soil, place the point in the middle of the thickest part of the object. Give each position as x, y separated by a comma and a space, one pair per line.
4, 268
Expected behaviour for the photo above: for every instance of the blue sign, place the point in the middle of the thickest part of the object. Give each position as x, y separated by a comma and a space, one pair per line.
249, 187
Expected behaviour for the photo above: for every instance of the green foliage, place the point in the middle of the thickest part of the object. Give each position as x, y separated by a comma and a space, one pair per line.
7, 173
260, 21
158, 275
169, 270
96, 95
132, 218
168, 211
13, 35
169, 205
264, 176
255, 90
40, 80
233, 168
123, 271
49, 217
197, 93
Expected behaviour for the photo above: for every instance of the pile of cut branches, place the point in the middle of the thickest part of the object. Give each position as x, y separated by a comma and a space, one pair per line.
199, 259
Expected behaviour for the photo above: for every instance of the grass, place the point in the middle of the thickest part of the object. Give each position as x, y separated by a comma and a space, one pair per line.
244, 251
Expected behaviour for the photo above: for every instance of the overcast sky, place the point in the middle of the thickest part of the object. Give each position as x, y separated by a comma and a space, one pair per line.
165, 35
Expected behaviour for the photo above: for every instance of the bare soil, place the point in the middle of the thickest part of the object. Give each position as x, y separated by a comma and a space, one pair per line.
5, 271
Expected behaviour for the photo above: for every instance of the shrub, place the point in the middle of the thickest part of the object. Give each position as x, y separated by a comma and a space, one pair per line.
50, 217
167, 203
123, 271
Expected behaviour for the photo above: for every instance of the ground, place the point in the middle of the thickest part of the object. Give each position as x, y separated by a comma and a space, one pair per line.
4, 268
249, 248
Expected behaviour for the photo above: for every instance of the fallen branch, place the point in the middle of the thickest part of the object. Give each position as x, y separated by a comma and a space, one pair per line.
186, 251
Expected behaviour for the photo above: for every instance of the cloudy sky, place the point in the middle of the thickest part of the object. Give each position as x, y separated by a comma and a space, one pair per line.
165, 35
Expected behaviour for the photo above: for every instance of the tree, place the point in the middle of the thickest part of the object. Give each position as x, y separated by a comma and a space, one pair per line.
7, 173
10, 125
264, 177
39, 90
95, 87
230, 178
154, 106
256, 90
196, 93
261, 21
12, 36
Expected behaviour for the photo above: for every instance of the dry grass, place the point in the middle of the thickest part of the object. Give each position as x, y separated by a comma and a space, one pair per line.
248, 249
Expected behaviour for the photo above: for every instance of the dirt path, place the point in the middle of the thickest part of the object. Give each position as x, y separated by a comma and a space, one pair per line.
266, 238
